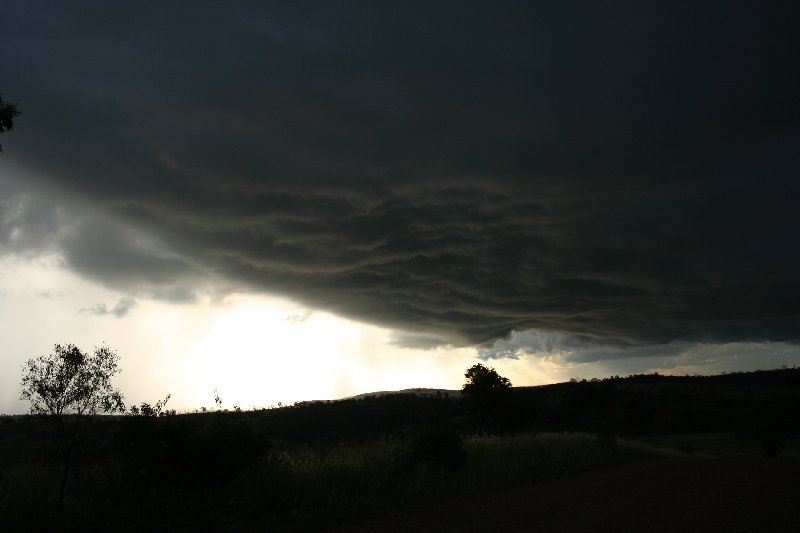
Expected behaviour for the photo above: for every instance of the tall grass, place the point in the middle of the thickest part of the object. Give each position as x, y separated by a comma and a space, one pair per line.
292, 487
495, 462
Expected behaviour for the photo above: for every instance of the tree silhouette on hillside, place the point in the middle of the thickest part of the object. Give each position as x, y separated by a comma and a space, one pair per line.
486, 393
68, 386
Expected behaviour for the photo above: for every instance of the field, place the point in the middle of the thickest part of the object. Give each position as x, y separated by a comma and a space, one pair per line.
368, 462
290, 486
652, 495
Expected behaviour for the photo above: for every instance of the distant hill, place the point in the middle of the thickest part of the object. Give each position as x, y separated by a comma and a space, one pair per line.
789, 376
744, 403
764, 402
423, 392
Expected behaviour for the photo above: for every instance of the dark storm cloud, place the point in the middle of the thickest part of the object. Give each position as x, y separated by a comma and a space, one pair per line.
621, 175
120, 258
28, 223
125, 259
93, 244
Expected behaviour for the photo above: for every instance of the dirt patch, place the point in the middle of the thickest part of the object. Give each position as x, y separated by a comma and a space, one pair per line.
731, 495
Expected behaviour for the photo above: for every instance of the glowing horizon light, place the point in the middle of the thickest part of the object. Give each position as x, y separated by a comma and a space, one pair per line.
255, 349
259, 351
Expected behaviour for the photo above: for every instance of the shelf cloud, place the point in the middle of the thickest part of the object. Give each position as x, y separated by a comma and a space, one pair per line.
619, 177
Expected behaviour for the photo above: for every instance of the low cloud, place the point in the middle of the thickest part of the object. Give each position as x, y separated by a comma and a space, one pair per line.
51, 294
418, 341
30, 223
124, 306
564, 349
299, 316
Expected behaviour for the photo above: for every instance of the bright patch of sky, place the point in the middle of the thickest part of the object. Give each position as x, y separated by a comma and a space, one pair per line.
257, 351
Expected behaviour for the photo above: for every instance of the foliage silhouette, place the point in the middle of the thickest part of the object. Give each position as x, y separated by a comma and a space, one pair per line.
8, 112
152, 410
487, 393
67, 386
771, 424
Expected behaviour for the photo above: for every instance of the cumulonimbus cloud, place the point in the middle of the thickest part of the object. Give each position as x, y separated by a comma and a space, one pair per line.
627, 179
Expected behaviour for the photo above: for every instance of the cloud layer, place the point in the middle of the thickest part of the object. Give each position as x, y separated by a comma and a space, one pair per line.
623, 177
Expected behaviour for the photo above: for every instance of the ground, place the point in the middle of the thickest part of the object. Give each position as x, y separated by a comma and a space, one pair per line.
653, 495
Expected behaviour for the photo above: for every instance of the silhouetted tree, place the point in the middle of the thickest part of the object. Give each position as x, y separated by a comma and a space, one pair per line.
486, 392
67, 386
151, 411
7, 113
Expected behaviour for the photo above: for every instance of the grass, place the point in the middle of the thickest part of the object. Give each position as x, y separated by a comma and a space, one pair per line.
506, 460
722, 445
286, 486
293, 487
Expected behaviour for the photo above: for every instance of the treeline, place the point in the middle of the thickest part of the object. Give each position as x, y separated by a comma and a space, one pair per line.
786, 376
744, 403
661, 405
636, 405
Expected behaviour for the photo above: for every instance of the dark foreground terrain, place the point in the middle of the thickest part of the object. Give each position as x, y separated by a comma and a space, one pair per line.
642, 453
682, 494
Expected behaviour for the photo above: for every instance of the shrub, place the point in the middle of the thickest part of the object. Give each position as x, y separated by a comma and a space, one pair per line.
179, 451
438, 446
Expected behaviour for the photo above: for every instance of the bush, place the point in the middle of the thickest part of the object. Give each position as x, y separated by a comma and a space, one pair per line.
175, 451
438, 446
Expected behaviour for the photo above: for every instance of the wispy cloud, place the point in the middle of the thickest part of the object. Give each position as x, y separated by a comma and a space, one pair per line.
124, 306
299, 315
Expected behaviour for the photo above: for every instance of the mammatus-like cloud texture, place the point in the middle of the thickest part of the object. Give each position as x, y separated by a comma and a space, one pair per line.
621, 176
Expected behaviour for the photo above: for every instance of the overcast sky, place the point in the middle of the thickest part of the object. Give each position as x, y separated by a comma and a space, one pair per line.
561, 188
